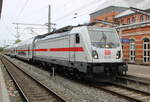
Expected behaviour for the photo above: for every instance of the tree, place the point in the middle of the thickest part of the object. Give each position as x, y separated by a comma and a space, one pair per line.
17, 41
1, 49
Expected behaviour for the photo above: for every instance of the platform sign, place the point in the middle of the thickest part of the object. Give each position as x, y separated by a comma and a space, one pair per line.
125, 40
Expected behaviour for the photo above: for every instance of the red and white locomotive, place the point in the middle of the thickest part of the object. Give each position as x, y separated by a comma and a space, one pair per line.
82, 50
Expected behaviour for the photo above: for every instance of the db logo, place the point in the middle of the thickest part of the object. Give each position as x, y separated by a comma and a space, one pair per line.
107, 52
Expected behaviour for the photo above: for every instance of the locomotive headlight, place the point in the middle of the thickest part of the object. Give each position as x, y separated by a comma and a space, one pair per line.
118, 55
94, 54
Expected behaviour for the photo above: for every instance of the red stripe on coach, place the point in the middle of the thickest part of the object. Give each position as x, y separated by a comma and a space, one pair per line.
67, 49
22, 50
39, 49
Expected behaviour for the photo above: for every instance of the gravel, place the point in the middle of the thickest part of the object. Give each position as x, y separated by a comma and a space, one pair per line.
71, 90
13, 93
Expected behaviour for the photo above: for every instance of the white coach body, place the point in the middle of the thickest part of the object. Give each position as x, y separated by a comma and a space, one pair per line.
24, 49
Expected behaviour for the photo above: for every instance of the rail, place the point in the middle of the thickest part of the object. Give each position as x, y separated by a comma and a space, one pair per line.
31, 88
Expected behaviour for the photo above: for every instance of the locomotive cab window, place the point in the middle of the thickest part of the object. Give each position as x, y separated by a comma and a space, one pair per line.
77, 37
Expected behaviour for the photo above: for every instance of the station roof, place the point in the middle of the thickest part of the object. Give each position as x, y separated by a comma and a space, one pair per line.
141, 4
1, 1
144, 5
107, 10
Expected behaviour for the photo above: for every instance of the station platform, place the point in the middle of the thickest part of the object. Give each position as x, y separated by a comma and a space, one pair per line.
139, 70
4, 97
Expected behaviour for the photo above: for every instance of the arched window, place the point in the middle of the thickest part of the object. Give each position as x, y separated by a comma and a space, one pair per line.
146, 50
122, 22
141, 18
132, 50
148, 18
128, 21
133, 19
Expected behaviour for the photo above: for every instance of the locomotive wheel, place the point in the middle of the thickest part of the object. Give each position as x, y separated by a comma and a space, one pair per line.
77, 74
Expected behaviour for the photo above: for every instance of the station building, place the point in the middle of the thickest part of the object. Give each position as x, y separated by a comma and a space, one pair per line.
106, 14
134, 30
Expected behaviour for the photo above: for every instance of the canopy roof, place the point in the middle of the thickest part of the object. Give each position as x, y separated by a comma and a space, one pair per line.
143, 5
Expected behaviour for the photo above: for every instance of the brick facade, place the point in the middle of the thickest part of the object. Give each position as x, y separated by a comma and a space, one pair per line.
137, 30
106, 14
134, 27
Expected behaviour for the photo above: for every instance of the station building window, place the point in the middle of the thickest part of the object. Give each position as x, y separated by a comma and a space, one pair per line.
141, 18
122, 22
133, 19
128, 21
132, 50
148, 18
146, 50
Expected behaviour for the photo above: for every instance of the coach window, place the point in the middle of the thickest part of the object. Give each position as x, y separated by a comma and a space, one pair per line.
146, 50
77, 38
132, 50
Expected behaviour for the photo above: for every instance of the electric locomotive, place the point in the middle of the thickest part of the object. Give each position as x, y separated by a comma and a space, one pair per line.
86, 51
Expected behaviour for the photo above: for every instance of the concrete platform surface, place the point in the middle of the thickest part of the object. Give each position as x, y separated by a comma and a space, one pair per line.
4, 97
139, 70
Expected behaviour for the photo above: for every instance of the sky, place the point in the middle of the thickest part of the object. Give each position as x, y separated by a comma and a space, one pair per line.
36, 12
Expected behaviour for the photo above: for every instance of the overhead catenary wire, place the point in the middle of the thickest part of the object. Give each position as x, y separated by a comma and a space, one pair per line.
86, 12
78, 9
9, 30
62, 18
23, 7
21, 10
30, 24
81, 8
40, 9
33, 12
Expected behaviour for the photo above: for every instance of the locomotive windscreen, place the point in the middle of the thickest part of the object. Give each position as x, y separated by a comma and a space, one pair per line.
104, 38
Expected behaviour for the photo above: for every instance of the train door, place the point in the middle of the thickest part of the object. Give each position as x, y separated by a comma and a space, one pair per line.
77, 43
71, 48
28, 52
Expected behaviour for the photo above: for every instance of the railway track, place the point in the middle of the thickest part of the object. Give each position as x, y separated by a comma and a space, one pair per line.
126, 92
138, 83
31, 89
129, 93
